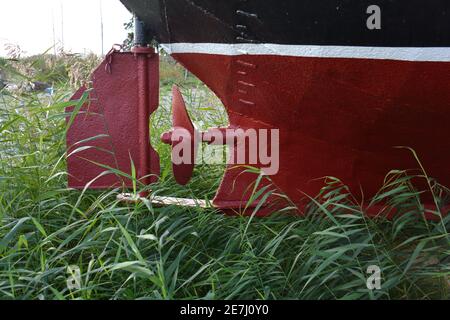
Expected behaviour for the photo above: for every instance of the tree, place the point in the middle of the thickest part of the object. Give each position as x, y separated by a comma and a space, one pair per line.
128, 42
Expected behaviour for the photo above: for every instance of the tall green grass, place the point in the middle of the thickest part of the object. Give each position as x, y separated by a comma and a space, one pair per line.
137, 251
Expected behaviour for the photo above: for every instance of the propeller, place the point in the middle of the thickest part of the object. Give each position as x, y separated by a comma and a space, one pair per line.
183, 138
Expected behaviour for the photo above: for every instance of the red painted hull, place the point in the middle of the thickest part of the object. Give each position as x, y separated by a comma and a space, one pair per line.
337, 117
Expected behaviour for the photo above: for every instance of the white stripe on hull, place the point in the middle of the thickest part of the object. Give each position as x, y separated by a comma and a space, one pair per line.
438, 54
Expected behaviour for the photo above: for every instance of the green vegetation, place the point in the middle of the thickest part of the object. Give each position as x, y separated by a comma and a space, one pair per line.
137, 251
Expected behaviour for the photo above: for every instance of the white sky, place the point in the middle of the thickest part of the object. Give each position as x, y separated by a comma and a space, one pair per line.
29, 24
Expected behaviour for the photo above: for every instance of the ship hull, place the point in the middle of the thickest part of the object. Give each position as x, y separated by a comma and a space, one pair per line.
337, 117
344, 98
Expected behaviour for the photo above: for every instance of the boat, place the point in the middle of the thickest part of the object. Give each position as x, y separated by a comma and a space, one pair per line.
352, 85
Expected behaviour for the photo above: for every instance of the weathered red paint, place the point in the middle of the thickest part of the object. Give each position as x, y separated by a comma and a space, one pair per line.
337, 117
125, 92
143, 54
238, 188
180, 118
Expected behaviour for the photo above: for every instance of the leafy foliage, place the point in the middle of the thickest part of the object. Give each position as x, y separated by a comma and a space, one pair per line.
137, 251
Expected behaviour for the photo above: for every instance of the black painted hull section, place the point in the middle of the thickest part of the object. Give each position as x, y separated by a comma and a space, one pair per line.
405, 23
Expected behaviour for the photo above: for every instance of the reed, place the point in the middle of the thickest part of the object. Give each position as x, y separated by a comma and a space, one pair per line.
137, 251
